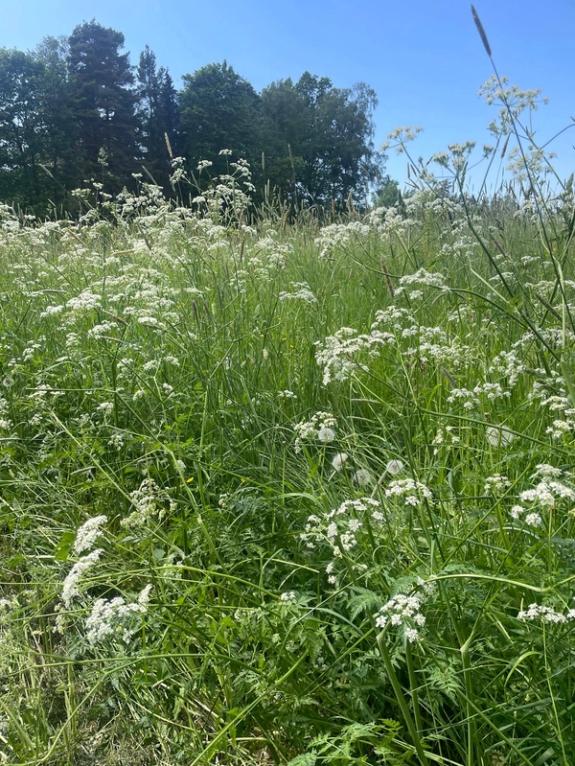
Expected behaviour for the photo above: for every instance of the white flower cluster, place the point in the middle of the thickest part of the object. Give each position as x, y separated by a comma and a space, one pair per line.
268, 255
343, 524
512, 100
108, 616
463, 396
543, 613
507, 365
552, 394
50, 311
115, 617
321, 427
424, 278
532, 519
388, 220
288, 597
339, 528
85, 301
402, 611
300, 291
543, 496
496, 484
102, 329
339, 235
491, 391
338, 353
149, 502
411, 492
433, 345
445, 435
5, 422
71, 585
88, 533
546, 493
347, 351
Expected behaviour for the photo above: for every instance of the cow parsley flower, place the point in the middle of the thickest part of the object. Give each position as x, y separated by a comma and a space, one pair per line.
543, 613
341, 525
70, 587
547, 492
288, 597
320, 427
88, 533
402, 611
496, 484
115, 617
413, 493
148, 502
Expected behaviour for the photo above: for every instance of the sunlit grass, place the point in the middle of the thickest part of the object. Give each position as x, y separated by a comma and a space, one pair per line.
281, 490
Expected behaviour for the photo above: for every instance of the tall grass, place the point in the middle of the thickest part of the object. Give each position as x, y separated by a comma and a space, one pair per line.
276, 493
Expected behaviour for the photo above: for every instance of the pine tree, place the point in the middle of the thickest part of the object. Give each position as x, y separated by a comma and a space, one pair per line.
103, 104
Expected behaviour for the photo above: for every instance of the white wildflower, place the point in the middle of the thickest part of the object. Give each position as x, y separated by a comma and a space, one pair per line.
542, 613
70, 587
402, 611
88, 533
321, 427
496, 484
288, 597
115, 617
413, 493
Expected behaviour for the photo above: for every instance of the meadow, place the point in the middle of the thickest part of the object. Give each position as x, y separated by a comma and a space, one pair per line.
276, 489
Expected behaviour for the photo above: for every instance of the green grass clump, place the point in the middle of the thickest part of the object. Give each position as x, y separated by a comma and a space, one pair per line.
284, 493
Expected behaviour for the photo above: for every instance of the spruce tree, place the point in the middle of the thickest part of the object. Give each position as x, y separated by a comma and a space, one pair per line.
103, 104
158, 117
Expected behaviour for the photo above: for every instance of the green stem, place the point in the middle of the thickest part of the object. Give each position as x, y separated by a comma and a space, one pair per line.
400, 697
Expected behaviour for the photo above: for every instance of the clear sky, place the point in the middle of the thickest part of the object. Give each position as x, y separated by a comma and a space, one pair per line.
423, 57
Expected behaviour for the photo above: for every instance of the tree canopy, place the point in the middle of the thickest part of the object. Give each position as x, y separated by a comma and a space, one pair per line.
75, 110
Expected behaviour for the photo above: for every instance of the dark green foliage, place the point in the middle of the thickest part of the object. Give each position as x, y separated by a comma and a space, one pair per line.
158, 117
60, 159
320, 139
22, 126
103, 104
73, 112
389, 193
38, 157
219, 110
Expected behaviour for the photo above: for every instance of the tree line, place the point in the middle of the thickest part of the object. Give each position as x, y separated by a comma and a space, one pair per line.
76, 110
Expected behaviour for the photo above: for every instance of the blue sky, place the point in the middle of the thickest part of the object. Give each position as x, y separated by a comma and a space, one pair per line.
423, 58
